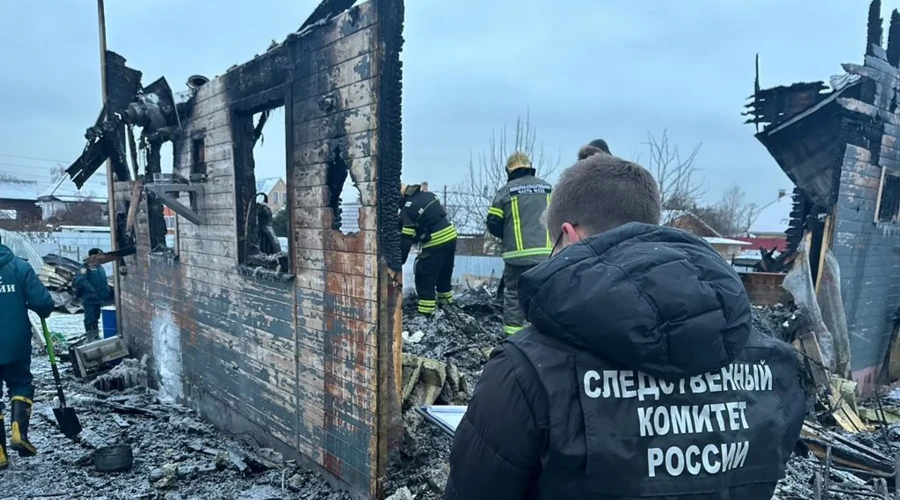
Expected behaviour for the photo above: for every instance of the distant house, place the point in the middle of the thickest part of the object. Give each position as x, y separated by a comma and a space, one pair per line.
687, 220
275, 189
728, 248
769, 230
65, 204
18, 208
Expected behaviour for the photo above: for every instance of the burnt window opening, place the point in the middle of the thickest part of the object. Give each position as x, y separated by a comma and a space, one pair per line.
889, 197
260, 170
344, 196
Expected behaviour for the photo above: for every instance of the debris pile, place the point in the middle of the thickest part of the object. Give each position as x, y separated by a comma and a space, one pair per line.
175, 454
58, 275
777, 321
458, 342
442, 360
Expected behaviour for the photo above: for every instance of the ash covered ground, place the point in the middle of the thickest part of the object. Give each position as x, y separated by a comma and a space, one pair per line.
176, 455
461, 338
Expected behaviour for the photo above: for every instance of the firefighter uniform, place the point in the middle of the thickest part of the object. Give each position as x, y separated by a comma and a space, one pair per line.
424, 222
20, 290
516, 217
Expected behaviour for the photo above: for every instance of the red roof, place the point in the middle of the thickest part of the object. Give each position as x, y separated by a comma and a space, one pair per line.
779, 242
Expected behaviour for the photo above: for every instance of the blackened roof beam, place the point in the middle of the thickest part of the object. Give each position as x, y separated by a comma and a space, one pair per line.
779, 104
893, 50
875, 31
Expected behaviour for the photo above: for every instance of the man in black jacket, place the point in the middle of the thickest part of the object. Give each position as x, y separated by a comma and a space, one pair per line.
91, 284
641, 375
424, 222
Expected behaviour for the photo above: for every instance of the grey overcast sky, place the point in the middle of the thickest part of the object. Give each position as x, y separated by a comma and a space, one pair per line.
584, 69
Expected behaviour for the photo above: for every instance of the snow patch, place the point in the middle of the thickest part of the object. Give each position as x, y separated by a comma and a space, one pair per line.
167, 353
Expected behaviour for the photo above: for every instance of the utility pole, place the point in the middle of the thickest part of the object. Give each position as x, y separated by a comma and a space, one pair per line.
110, 177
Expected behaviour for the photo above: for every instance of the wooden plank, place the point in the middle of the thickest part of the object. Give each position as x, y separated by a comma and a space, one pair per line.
362, 241
308, 200
339, 99
207, 246
215, 232
827, 238
352, 146
316, 174
349, 285
880, 193
354, 121
325, 81
212, 89
236, 394
321, 218
220, 136
359, 264
808, 345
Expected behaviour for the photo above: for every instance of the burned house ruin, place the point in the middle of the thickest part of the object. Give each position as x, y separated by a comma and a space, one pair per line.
840, 145
294, 347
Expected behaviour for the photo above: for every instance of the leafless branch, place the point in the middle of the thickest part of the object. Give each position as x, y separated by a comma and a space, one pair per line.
679, 186
471, 198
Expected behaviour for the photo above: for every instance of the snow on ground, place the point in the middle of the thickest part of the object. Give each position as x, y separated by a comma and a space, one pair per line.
70, 325
176, 455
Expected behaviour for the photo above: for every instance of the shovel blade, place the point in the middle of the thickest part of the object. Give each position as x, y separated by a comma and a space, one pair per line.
68, 422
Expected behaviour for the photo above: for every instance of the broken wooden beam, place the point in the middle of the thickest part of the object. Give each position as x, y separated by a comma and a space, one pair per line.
104, 257
162, 191
846, 452
137, 192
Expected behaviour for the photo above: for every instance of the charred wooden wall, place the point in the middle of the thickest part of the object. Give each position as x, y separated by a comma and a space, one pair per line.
304, 365
869, 264
867, 252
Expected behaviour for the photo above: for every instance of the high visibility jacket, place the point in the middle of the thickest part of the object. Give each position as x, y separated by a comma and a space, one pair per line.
515, 217
424, 222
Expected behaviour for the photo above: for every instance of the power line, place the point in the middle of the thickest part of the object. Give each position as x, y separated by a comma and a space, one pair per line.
29, 167
33, 158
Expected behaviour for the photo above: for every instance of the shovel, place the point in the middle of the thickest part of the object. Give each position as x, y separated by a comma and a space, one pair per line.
65, 417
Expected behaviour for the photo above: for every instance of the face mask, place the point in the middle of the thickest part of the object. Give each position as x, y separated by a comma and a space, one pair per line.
559, 240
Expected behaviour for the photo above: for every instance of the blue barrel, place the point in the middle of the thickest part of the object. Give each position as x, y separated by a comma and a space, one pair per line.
108, 316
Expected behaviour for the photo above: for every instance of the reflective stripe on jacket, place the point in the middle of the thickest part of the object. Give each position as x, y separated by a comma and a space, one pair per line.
425, 222
516, 218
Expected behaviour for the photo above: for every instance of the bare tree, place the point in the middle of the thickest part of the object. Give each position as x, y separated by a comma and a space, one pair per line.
679, 186
731, 215
735, 213
468, 203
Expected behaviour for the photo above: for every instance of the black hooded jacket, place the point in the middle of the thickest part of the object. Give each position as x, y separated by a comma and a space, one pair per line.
640, 377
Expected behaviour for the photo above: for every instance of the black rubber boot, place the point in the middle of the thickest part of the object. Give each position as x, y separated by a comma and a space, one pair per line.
21, 415
4, 454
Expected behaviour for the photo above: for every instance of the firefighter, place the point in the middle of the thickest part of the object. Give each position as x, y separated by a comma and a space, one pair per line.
424, 222
641, 375
92, 286
515, 217
20, 290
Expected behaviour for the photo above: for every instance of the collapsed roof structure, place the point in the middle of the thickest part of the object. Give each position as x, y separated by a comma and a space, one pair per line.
840, 145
